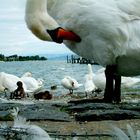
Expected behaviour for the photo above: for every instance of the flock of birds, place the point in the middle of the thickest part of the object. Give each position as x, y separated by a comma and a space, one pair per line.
9, 82
93, 82
96, 82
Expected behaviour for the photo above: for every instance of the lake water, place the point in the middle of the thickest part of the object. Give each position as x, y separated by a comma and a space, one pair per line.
52, 72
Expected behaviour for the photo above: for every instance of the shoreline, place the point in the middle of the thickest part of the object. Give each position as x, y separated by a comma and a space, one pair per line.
59, 117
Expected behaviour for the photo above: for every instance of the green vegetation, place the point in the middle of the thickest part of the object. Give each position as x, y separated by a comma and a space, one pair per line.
21, 58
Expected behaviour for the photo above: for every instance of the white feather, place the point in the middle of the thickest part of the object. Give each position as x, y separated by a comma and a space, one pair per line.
119, 134
34, 132
131, 132
138, 134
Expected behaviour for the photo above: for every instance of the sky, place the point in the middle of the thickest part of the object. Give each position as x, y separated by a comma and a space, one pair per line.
15, 38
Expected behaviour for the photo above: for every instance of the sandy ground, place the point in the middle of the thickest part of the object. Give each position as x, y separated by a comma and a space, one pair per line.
81, 128
90, 130
95, 130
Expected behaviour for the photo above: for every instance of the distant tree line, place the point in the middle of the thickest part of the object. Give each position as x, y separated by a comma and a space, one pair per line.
21, 58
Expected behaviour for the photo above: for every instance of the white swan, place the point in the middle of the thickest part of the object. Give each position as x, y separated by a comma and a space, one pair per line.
9, 82
126, 83
24, 130
105, 31
31, 83
70, 83
89, 84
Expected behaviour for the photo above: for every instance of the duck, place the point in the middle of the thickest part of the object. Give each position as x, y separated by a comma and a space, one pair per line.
19, 92
70, 83
104, 31
45, 95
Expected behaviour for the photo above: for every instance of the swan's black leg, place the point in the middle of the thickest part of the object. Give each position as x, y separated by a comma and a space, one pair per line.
71, 91
113, 85
109, 73
117, 89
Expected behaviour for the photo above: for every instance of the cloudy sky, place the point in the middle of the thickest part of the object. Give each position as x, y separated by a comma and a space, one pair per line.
15, 38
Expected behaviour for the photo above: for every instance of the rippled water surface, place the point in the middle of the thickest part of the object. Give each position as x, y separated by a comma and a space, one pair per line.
52, 72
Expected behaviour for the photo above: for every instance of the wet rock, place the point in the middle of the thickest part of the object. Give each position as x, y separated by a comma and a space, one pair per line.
34, 112
54, 87
89, 106
80, 110
95, 110
4, 116
44, 112
100, 115
130, 106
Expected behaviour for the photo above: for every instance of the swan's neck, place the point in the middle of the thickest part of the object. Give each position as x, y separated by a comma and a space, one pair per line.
35, 6
90, 69
38, 20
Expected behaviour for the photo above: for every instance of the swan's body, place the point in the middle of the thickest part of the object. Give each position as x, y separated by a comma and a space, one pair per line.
70, 83
89, 84
9, 82
105, 31
31, 83
127, 82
